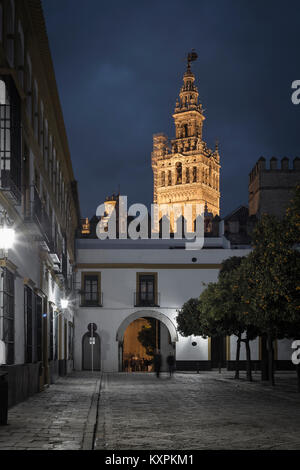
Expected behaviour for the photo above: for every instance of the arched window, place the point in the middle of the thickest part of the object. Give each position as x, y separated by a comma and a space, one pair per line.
178, 173
169, 178
194, 174
187, 175
163, 178
10, 33
185, 130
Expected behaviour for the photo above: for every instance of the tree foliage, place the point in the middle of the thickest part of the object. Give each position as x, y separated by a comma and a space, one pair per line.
147, 337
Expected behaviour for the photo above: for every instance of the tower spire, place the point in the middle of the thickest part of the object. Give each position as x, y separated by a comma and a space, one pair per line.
188, 115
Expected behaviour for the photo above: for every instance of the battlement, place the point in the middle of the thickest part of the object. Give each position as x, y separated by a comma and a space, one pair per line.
271, 186
282, 165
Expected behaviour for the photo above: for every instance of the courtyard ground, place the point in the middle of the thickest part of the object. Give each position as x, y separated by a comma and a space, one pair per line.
138, 411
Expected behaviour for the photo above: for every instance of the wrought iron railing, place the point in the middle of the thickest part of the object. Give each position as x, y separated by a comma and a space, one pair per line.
35, 212
146, 299
89, 299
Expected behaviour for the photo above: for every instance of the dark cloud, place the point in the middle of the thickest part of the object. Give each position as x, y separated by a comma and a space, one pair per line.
119, 67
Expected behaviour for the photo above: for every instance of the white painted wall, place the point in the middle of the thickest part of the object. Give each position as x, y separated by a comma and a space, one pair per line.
25, 254
175, 286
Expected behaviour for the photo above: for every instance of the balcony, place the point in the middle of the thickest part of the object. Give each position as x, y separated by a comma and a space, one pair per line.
10, 149
37, 219
64, 265
89, 299
9, 188
146, 299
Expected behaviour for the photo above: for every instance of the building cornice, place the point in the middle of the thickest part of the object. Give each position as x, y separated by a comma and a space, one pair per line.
147, 266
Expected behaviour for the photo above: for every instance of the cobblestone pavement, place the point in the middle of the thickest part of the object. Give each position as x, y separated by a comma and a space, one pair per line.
195, 411
139, 411
57, 418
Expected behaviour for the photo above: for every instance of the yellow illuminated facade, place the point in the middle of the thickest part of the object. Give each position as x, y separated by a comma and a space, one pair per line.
186, 170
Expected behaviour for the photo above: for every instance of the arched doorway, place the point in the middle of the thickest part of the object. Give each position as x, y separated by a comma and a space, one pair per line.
139, 335
91, 359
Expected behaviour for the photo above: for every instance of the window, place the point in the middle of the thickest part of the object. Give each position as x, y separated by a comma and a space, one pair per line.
20, 55
28, 88
35, 111
39, 327
54, 171
50, 158
147, 294
178, 173
46, 143
41, 128
91, 289
194, 174
8, 309
10, 137
10, 33
65, 339
70, 341
51, 332
56, 336
28, 320
187, 175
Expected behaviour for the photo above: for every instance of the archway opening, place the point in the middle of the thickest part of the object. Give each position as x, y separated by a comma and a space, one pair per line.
142, 338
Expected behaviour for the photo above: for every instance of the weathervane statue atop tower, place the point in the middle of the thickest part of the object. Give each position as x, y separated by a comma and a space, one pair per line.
191, 57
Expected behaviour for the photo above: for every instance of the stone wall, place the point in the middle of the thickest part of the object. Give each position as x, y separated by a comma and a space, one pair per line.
23, 381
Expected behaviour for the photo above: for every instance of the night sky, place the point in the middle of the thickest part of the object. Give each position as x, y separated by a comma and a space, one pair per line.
119, 68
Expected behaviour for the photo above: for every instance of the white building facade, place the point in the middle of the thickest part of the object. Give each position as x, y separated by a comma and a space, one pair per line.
38, 199
179, 274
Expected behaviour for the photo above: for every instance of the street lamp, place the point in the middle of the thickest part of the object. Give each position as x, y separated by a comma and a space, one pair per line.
64, 303
7, 233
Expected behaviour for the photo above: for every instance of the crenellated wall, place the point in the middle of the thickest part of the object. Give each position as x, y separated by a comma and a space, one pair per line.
271, 185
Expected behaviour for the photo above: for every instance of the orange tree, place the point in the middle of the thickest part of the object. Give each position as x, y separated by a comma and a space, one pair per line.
270, 273
219, 311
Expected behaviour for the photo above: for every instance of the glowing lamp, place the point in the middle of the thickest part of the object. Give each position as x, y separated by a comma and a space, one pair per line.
64, 303
7, 237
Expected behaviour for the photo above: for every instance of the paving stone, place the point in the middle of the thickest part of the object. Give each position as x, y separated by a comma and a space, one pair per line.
138, 411
196, 411
54, 418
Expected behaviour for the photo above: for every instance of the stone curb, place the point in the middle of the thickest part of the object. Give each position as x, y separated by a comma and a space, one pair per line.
91, 422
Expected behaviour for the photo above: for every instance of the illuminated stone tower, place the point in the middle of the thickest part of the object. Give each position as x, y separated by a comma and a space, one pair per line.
186, 170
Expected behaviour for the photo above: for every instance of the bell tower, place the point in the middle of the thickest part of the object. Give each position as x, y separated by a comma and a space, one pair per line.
186, 170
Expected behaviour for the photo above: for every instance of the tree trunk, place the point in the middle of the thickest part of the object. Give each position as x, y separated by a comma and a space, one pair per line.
237, 357
271, 359
248, 359
298, 376
264, 358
